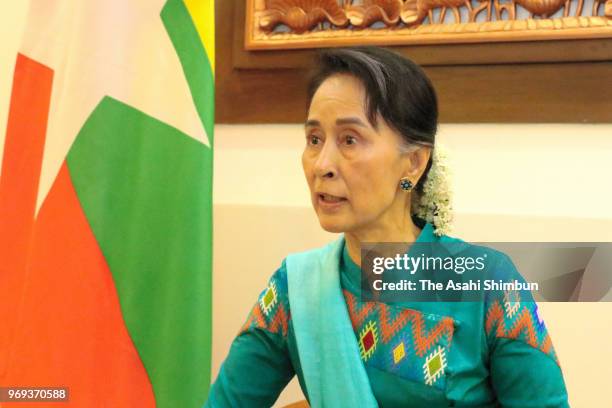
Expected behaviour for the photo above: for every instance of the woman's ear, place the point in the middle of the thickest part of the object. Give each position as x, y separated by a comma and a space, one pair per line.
416, 162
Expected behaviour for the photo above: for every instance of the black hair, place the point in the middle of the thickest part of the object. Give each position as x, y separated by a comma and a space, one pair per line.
396, 88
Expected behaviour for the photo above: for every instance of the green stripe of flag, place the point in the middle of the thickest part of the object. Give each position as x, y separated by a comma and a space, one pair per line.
146, 190
195, 62
150, 209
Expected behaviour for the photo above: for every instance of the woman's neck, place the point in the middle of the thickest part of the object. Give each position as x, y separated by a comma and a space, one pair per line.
407, 233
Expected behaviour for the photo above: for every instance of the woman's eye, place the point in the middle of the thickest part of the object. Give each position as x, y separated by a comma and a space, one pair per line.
313, 140
350, 140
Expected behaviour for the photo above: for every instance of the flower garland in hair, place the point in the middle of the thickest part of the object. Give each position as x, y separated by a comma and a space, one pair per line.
434, 205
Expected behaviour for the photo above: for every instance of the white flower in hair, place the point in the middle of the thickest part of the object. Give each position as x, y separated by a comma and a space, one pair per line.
434, 205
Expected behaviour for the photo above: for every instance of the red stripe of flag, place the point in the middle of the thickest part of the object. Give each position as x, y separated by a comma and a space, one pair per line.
73, 333
58, 301
23, 151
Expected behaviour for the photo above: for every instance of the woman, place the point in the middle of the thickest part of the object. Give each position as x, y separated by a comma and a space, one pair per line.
370, 167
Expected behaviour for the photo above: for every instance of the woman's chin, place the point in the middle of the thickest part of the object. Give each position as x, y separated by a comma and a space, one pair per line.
332, 225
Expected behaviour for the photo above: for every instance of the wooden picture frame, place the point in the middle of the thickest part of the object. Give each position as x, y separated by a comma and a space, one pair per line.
518, 81
334, 23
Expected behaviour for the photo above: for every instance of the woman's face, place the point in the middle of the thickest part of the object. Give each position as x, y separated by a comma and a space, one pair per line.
353, 170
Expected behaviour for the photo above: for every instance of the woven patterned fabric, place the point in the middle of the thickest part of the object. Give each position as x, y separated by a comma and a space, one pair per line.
406, 342
271, 311
510, 317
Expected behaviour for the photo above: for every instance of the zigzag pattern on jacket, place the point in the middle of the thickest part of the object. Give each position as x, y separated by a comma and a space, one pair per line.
278, 323
423, 340
522, 328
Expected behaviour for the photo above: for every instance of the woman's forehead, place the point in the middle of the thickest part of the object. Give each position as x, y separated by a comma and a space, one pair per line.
340, 95
341, 86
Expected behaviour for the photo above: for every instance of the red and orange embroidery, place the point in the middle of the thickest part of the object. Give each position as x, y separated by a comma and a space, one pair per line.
518, 323
423, 339
268, 313
408, 343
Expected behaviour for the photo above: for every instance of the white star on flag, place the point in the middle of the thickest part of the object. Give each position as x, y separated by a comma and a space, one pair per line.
115, 48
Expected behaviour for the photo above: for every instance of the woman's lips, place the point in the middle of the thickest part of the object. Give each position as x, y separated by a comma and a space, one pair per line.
330, 202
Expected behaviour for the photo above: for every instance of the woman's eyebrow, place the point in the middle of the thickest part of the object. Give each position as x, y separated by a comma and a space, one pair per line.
339, 122
312, 122
350, 121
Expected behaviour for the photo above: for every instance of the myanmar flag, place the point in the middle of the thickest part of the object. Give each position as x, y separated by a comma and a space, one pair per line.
105, 204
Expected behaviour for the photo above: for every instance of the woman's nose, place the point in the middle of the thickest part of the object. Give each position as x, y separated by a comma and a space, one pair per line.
325, 165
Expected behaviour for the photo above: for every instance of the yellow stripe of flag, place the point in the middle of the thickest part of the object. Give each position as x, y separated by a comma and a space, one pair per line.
203, 16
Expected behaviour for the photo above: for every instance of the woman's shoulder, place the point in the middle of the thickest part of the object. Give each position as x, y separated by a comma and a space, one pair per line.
499, 263
271, 310
301, 260
304, 262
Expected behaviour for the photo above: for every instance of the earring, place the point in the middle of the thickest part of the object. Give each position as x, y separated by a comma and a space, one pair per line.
406, 184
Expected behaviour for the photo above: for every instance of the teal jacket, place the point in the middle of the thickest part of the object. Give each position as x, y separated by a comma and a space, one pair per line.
490, 353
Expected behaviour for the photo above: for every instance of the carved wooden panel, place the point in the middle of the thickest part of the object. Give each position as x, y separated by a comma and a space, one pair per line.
562, 81
288, 24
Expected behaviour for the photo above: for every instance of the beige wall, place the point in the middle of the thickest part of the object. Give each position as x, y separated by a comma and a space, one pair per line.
12, 19
512, 182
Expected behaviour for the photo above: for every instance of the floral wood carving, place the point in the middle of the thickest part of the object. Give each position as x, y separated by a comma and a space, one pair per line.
371, 11
301, 15
286, 24
415, 11
543, 8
